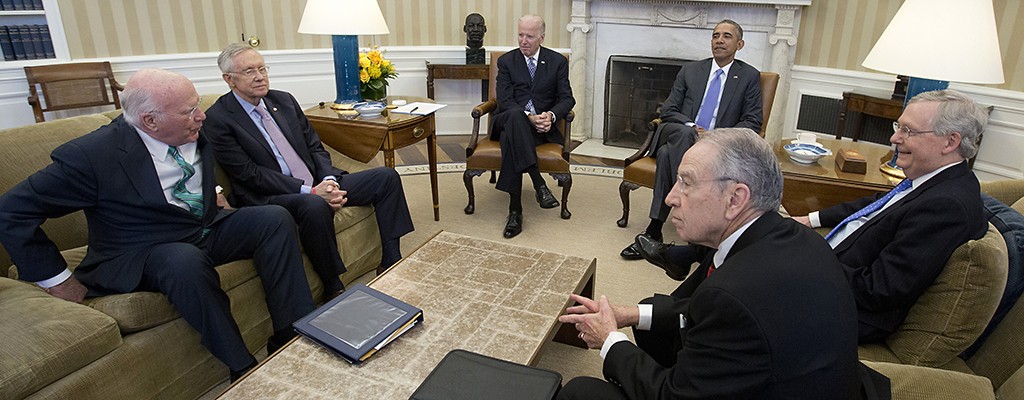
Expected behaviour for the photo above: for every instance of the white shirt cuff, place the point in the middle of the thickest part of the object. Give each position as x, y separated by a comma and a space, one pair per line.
57, 280
304, 189
646, 310
612, 339
814, 220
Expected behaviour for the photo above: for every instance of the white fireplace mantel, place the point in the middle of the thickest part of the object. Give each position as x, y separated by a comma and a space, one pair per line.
674, 29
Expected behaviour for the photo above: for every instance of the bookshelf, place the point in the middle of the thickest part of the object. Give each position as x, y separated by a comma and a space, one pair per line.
32, 27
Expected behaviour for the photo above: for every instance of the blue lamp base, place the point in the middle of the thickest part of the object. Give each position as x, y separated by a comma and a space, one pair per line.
346, 71
915, 87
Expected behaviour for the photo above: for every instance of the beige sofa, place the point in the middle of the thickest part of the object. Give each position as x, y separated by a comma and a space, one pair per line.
131, 346
921, 358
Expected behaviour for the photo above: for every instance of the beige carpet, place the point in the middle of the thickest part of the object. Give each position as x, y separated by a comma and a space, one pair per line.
591, 232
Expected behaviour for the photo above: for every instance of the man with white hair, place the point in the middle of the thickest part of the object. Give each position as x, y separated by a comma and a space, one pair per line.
147, 187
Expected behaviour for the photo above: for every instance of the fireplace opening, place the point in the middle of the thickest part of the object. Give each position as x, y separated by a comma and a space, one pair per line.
634, 90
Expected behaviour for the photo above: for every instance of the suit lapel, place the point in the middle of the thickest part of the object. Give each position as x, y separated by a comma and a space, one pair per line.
732, 82
137, 164
245, 121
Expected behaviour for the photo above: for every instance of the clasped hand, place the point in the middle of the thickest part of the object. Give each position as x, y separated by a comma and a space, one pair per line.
541, 122
331, 193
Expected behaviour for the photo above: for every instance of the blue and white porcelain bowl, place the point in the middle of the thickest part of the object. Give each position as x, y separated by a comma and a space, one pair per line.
806, 153
369, 109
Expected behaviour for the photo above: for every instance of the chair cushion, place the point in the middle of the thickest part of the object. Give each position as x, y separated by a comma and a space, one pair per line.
954, 310
641, 172
488, 156
1010, 224
914, 382
51, 338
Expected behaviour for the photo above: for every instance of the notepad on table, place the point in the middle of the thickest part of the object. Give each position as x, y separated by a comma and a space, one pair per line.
419, 108
359, 322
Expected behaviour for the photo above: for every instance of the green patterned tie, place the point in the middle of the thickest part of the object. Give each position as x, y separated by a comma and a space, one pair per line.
193, 200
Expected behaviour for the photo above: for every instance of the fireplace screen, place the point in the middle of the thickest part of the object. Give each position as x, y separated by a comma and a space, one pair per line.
634, 90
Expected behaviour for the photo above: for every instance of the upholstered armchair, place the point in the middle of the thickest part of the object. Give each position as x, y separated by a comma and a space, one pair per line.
484, 154
640, 167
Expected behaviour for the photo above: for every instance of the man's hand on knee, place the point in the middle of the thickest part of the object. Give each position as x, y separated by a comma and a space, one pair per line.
541, 122
329, 191
70, 290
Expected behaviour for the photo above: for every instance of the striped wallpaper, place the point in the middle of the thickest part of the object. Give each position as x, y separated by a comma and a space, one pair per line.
839, 34
834, 34
98, 28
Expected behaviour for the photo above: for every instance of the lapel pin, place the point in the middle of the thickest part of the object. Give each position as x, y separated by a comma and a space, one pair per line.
543, 62
275, 109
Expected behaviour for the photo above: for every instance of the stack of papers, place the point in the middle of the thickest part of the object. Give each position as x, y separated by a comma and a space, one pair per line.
419, 108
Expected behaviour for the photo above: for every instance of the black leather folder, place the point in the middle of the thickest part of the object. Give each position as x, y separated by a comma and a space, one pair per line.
466, 375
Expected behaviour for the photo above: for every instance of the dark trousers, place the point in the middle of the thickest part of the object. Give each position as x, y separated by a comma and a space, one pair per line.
379, 187
590, 388
518, 140
675, 139
185, 273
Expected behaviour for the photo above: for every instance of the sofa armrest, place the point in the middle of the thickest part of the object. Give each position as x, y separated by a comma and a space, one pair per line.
914, 382
1009, 191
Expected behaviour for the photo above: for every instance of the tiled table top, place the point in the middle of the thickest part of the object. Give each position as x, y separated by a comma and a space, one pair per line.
483, 296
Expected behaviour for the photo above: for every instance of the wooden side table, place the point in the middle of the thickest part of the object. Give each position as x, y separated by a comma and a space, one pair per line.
458, 71
361, 138
865, 102
812, 187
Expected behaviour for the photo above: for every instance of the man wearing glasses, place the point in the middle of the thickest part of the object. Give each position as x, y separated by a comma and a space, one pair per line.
146, 184
272, 155
893, 245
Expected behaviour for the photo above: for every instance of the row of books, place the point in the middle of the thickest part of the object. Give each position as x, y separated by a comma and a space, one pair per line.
20, 5
26, 42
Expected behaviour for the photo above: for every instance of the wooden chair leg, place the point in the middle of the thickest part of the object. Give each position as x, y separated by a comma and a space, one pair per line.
493, 176
467, 178
565, 181
624, 189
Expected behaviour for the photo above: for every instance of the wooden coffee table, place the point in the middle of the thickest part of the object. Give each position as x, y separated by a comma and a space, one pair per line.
483, 296
812, 187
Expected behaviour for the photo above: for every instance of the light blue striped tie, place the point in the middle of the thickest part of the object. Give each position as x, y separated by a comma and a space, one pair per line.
710, 102
193, 200
904, 185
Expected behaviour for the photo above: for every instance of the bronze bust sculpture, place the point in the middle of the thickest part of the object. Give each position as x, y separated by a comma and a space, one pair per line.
475, 29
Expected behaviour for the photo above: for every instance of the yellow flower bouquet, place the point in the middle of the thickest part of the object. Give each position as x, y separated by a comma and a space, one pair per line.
374, 71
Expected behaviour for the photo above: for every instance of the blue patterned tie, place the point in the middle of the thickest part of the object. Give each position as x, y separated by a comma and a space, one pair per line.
904, 185
193, 200
532, 65
710, 102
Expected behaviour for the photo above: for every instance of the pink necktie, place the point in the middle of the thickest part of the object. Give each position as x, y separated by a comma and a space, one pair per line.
291, 158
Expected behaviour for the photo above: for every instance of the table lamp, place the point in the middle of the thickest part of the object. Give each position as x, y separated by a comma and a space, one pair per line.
344, 19
937, 41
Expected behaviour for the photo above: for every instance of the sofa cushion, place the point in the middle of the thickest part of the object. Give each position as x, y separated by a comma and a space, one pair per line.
135, 311
914, 382
50, 339
1010, 224
955, 309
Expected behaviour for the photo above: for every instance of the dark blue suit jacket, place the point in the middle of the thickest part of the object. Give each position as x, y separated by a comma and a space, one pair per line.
740, 106
110, 175
247, 157
893, 258
549, 87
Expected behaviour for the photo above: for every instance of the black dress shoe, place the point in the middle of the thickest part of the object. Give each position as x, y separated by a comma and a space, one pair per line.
657, 253
514, 224
632, 252
545, 198
236, 375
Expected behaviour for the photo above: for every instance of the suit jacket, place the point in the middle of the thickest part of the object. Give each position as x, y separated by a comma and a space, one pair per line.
891, 260
549, 87
774, 321
740, 105
247, 157
110, 175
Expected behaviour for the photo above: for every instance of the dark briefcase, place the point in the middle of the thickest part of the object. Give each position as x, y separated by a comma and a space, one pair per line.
466, 375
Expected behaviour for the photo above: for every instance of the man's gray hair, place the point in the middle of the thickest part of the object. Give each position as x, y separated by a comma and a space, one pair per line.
957, 113
745, 157
534, 19
226, 59
138, 100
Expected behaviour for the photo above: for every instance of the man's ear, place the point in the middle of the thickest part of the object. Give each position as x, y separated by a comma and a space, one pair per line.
227, 78
738, 198
952, 142
149, 122
739, 45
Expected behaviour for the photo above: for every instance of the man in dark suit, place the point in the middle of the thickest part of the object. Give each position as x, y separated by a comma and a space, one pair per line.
733, 99
767, 315
533, 93
146, 184
272, 155
892, 254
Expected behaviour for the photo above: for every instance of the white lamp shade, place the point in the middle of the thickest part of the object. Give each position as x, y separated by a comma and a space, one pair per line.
949, 40
342, 17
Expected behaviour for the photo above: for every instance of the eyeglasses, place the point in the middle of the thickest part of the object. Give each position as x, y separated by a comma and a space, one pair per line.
684, 186
905, 130
251, 72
